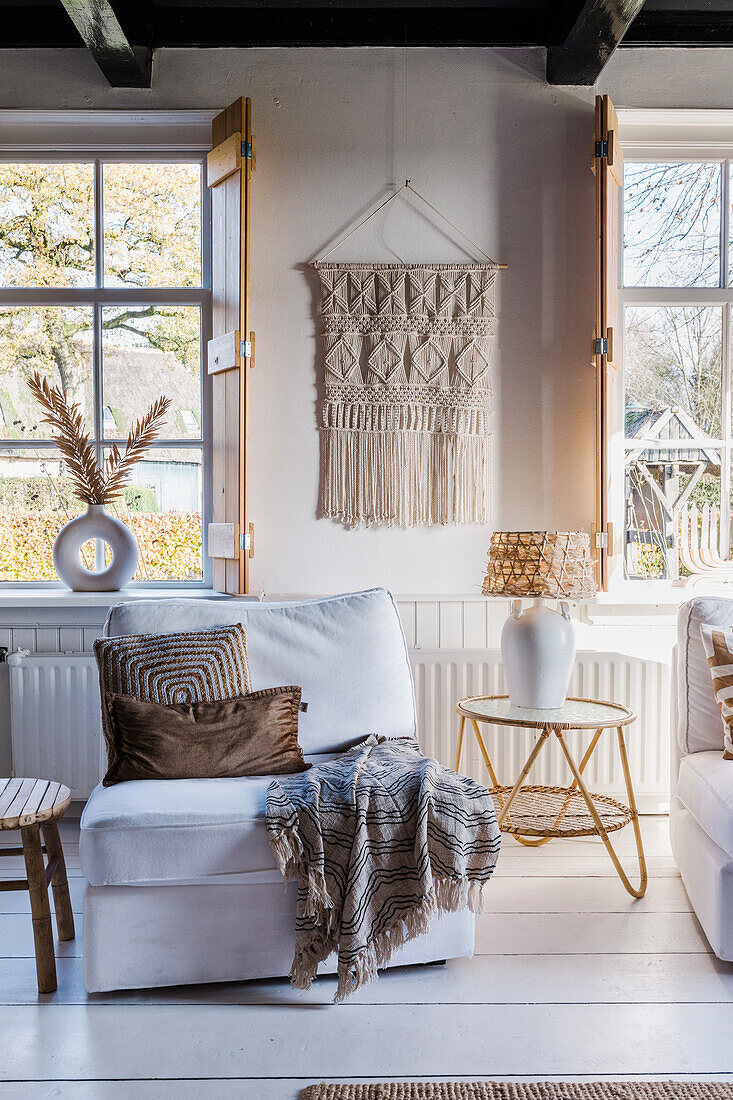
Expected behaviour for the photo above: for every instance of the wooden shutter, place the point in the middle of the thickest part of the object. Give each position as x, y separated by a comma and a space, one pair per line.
230, 352
607, 166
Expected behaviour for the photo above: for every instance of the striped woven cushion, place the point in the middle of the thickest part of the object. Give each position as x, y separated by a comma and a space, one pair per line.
718, 645
196, 667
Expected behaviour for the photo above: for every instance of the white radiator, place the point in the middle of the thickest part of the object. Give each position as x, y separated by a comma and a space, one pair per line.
55, 719
56, 729
443, 676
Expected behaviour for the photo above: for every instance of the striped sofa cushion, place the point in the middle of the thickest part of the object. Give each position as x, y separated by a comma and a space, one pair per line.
718, 645
192, 667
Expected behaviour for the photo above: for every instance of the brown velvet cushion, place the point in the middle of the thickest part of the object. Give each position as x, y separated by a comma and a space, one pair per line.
255, 734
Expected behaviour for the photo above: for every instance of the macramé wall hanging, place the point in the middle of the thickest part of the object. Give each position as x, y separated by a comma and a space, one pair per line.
405, 415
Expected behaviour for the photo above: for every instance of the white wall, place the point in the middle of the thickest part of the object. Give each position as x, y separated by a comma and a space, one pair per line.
506, 156
485, 140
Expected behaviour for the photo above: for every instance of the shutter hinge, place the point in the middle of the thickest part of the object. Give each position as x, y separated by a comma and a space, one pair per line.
247, 542
247, 150
601, 150
245, 349
601, 345
601, 540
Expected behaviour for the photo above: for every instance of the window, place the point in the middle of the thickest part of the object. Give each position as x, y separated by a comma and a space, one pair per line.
104, 288
675, 312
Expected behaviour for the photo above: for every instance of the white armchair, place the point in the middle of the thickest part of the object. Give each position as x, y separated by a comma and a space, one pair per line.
181, 880
701, 810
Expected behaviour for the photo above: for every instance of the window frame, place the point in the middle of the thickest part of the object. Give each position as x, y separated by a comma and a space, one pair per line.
648, 148
98, 297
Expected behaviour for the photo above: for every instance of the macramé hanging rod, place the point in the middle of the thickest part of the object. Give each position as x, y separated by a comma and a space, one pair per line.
407, 186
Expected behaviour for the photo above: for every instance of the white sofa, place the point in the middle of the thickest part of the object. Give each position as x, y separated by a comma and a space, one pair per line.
701, 810
181, 882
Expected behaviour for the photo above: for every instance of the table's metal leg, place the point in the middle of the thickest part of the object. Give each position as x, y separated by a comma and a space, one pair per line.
636, 893
535, 842
643, 878
581, 768
484, 752
459, 747
532, 841
525, 772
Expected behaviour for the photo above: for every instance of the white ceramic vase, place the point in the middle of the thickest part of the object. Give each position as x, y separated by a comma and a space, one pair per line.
538, 651
95, 523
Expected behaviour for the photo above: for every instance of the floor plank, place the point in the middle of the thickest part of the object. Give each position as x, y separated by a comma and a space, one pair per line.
243, 1089
16, 937
568, 894
584, 933
485, 979
18, 901
167, 1041
496, 934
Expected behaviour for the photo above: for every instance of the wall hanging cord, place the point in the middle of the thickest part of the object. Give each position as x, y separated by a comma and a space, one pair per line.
407, 186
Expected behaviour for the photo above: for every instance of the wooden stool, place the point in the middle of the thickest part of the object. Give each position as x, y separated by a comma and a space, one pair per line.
35, 806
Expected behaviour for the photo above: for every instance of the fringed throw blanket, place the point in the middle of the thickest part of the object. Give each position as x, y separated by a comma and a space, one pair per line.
380, 841
404, 425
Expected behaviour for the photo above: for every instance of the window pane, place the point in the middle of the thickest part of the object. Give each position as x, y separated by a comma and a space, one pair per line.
672, 224
35, 503
152, 225
55, 340
662, 485
149, 351
673, 372
46, 225
162, 506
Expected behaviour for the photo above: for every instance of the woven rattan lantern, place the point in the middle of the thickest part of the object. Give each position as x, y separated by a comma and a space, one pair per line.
538, 645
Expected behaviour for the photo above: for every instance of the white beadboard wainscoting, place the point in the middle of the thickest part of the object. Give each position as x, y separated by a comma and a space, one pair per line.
56, 726
444, 676
453, 643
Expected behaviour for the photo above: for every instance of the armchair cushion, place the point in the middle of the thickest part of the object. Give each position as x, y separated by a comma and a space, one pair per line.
699, 727
176, 830
347, 653
705, 788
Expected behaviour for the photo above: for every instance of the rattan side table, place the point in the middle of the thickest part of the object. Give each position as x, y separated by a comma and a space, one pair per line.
538, 814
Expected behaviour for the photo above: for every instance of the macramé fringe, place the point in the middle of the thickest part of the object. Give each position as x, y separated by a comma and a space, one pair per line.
448, 895
406, 478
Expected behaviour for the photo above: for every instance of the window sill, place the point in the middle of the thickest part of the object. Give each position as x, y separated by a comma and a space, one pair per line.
654, 600
50, 597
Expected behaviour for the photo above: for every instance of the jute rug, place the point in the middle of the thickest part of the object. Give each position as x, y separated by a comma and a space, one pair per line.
538, 1090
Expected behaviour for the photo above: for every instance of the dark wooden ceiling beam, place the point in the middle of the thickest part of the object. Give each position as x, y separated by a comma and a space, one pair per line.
325, 23
598, 28
124, 65
681, 28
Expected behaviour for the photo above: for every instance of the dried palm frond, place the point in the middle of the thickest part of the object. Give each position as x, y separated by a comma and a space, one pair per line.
143, 432
71, 439
91, 483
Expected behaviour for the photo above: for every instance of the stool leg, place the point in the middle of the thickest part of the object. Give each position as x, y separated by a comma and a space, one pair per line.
43, 936
62, 900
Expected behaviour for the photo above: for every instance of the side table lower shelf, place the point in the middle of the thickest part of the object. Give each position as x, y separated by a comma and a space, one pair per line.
549, 812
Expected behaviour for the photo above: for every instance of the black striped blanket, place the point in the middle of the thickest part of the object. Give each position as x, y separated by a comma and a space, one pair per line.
380, 841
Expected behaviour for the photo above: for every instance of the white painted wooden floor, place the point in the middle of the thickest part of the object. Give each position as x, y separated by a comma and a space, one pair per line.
572, 979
